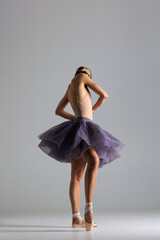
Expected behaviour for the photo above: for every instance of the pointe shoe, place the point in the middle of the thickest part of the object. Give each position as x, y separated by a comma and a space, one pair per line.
88, 226
78, 222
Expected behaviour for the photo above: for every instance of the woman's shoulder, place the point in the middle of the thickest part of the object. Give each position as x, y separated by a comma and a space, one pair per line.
80, 78
74, 82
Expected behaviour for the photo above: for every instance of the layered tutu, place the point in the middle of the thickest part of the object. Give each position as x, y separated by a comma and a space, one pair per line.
71, 138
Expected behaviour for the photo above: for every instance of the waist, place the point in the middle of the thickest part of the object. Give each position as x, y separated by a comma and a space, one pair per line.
86, 119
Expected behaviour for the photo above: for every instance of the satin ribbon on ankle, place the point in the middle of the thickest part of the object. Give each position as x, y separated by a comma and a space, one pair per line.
77, 214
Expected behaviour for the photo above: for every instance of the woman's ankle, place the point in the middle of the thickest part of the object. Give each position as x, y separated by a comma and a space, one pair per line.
89, 212
88, 216
89, 204
76, 214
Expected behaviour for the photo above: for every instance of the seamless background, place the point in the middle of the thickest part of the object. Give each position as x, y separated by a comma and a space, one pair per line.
42, 44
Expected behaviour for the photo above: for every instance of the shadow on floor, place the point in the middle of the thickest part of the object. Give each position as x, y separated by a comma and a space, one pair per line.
70, 229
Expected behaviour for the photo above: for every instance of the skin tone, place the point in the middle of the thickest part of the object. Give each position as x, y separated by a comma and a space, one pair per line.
77, 170
90, 158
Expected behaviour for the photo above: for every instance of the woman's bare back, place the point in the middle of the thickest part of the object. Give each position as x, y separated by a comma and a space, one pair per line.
80, 97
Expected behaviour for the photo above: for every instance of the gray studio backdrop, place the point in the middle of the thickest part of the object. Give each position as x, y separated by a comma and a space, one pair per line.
42, 44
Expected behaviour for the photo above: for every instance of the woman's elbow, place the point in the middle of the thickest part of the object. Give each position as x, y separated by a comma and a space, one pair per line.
56, 112
106, 96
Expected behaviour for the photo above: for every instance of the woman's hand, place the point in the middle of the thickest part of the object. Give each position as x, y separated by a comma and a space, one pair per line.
93, 110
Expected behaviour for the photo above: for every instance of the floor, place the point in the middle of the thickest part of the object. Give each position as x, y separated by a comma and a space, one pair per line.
111, 226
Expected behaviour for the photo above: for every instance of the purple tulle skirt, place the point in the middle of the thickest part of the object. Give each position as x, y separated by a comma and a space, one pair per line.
71, 138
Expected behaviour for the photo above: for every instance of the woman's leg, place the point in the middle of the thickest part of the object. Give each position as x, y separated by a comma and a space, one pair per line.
77, 169
92, 158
